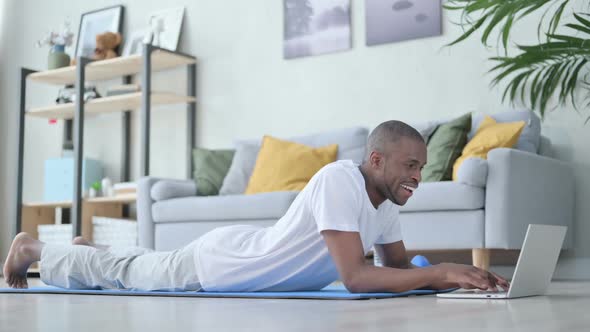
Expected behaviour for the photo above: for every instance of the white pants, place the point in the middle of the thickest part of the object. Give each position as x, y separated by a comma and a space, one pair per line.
84, 267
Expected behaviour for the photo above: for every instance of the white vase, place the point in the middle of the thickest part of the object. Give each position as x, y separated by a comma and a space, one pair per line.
106, 186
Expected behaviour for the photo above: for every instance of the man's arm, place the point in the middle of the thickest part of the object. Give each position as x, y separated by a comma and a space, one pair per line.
393, 255
347, 252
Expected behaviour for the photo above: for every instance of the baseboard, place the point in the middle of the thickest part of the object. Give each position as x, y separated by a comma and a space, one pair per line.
464, 256
577, 268
567, 269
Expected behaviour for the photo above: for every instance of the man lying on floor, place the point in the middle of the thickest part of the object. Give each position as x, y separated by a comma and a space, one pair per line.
343, 211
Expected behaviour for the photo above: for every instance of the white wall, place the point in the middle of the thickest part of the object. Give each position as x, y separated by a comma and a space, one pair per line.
246, 89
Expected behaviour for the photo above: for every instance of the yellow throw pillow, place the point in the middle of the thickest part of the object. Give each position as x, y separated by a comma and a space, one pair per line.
287, 166
489, 135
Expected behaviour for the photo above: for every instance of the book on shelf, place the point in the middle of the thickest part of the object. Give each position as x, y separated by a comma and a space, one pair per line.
125, 188
122, 89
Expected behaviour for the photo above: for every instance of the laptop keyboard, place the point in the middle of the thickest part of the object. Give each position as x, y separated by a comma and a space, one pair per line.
482, 292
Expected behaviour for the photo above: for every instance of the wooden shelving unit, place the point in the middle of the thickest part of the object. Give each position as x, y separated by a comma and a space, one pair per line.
116, 67
130, 101
43, 213
124, 198
32, 214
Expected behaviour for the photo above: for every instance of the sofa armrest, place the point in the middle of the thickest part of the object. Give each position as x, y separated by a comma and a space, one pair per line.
151, 190
165, 189
525, 188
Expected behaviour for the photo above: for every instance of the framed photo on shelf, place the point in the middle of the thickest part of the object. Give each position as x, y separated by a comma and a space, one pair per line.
165, 27
134, 43
96, 22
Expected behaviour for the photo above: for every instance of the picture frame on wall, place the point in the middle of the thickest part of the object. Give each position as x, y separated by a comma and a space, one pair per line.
165, 27
95, 22
399, 20
313, 27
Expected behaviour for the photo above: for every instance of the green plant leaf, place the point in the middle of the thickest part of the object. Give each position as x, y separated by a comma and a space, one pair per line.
541, 74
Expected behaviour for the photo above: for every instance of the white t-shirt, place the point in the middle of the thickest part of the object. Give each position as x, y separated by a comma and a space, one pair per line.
292, 254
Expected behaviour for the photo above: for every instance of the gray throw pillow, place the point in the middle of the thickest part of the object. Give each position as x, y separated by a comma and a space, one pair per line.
242, 166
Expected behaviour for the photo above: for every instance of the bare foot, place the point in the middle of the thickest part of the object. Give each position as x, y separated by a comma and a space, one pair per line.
24, 251
78, 240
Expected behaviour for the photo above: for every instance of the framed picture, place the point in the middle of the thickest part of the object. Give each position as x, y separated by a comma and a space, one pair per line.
134, 43
393, 21
314, 27
165, 28
94, 23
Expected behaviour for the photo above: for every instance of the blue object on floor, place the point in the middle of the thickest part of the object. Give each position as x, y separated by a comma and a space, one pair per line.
420, 261
332, 292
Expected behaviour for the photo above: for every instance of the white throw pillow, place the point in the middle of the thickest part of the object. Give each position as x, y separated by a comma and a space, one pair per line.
240, 170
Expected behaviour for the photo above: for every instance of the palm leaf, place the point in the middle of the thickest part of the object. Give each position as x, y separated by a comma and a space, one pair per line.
501, 15
543, 71
539, 74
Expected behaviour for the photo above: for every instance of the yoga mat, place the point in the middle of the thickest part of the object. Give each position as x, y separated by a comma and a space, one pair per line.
332, 292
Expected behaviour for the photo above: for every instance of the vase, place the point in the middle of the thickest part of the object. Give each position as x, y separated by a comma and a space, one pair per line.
57, 57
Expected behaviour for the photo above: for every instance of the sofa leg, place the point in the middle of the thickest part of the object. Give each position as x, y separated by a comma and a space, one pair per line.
481, 258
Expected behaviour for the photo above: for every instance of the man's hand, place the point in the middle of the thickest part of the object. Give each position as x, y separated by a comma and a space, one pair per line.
470, 277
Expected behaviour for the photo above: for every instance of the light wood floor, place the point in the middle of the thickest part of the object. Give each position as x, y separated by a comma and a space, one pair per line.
565, 308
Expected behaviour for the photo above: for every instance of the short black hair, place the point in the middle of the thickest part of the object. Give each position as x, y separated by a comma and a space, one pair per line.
390, 132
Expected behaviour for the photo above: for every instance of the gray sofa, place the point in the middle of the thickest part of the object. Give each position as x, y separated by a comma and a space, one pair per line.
520, 188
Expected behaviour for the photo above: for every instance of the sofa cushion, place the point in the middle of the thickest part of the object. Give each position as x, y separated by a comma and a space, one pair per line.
287, 166
445, 145
351, 145
445, 196
230, 207
210, 168
530, 136
435, 230
242, 166
490, 135
351, 142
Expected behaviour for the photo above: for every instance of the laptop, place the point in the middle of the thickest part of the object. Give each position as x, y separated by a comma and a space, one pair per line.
534, 269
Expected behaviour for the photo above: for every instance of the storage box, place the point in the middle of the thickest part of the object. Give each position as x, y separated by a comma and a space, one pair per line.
114, 232
55, 234
59, 177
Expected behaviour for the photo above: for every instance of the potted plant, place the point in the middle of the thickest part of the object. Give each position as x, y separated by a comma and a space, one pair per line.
549, 73
57, 41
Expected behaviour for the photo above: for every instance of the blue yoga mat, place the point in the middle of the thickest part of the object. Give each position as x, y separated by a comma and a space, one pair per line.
332, 292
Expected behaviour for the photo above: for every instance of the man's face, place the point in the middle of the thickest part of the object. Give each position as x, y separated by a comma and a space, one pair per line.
401, 169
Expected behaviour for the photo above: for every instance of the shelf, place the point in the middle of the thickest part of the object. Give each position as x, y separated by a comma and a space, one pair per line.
130, 101
113, 68
123, 199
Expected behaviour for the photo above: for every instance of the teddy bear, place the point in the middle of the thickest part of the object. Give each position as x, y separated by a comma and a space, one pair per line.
106, 44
